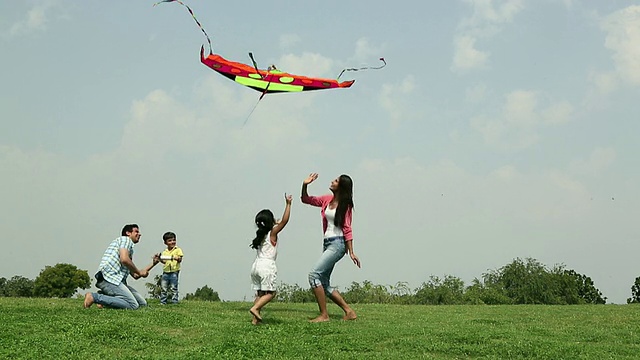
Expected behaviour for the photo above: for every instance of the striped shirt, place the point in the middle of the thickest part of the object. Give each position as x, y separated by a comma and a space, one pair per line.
112, 269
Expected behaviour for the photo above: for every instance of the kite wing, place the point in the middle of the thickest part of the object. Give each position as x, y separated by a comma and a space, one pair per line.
267, 81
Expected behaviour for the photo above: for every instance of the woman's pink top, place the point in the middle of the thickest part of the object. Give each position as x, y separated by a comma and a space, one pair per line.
322, 202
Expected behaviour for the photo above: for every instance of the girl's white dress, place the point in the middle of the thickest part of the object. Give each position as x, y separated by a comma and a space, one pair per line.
264, 271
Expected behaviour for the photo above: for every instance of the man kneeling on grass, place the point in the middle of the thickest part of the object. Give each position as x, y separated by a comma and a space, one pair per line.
115, 267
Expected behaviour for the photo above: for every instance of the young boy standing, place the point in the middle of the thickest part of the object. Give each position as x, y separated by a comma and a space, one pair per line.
171, 258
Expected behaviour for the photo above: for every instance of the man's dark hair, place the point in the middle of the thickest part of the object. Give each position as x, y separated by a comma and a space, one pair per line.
129, 228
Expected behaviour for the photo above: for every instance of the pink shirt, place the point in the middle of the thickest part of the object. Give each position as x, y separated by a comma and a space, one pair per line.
322, 202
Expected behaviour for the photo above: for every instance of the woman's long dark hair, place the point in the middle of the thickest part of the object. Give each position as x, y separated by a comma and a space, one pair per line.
264, 221
344, 194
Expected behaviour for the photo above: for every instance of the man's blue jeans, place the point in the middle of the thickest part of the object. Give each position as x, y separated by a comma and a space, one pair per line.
168, 282
120, 296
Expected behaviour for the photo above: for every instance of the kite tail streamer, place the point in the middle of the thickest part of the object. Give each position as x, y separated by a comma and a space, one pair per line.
364, 68
194, 18
255, 65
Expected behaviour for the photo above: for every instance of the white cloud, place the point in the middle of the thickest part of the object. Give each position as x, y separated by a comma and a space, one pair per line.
393, 98
288, 41
308, 64
596, 164
517, 126
466, 56
623, 39
558, 113
366, 53
487, 20
476, 94
36, 18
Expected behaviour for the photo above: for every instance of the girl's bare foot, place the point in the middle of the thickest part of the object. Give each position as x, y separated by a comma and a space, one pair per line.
255, 321
99, 306
255, 314
320, 318
351, 315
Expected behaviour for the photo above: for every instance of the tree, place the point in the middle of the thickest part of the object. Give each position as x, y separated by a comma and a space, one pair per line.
635, 292
530, 282
401, 293
527, 282
294, 294
154, 288
204, 293
61, 280
18, 286
487, 292
579, 289
367, 293
436, 291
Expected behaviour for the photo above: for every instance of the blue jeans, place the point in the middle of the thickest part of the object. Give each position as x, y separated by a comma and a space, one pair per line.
120, 296
169, 281
333, 249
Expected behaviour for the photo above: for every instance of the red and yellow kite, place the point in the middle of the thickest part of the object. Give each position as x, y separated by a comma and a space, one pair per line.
270, 80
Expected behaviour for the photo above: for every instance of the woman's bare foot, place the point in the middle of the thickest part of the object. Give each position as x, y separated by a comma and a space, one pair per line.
99, 306
320, 318
255, 314
255, 321
88, 300
351, 315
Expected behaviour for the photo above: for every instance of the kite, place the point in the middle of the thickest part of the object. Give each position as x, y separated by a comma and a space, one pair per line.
271, 80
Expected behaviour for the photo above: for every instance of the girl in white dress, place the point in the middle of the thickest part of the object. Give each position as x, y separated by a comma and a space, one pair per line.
264, 271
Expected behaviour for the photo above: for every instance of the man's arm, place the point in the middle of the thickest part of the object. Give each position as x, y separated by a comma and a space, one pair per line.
126, 261
156, 260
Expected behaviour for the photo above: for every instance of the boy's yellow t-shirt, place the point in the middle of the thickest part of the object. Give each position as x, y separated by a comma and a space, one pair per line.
172, 265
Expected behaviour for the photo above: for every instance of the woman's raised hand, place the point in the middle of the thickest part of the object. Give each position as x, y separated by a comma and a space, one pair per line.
310, 179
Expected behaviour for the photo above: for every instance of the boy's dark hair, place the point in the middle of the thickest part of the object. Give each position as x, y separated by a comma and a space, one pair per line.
129, 228
264, 221
168, 236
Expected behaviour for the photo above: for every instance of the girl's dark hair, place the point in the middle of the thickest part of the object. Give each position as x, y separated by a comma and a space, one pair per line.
344, 194
264, 221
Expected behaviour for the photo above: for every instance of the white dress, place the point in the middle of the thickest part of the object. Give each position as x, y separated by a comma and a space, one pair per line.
264, 271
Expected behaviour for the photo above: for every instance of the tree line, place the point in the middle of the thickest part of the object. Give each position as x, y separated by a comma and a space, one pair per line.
520, 282
523, 281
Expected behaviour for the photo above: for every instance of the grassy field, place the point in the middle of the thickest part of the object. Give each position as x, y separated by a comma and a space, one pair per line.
62, 329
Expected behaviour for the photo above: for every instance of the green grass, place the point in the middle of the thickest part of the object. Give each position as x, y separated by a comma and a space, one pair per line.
62, 329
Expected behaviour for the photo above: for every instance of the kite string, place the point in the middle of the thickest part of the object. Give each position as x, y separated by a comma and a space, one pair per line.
194, 18
364, 68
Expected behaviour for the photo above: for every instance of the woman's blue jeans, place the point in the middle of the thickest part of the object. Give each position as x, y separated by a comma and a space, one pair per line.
333, 249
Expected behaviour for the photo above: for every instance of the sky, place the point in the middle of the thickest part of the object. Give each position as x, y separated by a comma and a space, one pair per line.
498, 130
